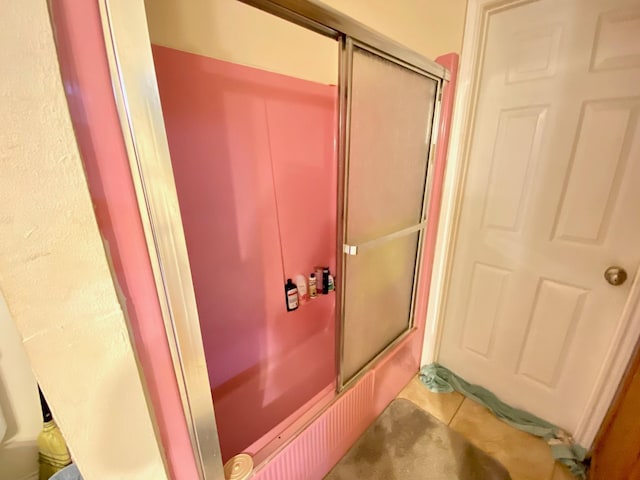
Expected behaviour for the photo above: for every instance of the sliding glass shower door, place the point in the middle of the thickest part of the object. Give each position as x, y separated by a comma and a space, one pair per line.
391, 110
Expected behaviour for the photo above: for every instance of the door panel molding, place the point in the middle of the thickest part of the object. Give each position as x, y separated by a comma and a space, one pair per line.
627, 333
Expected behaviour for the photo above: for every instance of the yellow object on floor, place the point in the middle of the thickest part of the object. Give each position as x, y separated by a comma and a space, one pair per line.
53, 454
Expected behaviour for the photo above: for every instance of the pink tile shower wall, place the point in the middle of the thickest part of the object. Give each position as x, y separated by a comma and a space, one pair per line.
253, 154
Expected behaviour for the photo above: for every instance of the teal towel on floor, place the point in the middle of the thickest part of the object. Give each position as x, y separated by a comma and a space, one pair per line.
563, 448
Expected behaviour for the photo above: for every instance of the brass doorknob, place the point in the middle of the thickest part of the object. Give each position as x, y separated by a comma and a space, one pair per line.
615, 275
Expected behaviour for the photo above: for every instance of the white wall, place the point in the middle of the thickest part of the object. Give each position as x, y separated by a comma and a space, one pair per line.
232, 31
53, 270
19, 405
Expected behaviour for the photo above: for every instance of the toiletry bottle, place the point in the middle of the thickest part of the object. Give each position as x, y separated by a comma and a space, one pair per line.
319, 279
325, 280
313, 290
301, 284
331, 282
291, 295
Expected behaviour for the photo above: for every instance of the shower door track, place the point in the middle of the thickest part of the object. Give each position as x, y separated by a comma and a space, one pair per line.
334, 24
138, 104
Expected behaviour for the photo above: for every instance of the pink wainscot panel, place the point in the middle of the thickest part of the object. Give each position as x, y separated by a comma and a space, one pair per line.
87, 83
255, 169
316, 449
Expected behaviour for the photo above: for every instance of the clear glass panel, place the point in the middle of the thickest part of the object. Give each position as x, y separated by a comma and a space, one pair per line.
391, 114
378, 291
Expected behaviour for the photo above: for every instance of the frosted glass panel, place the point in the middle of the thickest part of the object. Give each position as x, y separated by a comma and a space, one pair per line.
391, 114
392, 109
378, 290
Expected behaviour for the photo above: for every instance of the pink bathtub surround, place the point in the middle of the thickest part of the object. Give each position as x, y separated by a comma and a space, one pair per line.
253, 154
313, 453
87, 82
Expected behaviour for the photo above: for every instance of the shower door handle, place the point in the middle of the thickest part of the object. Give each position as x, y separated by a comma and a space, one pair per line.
350, 249
356, 249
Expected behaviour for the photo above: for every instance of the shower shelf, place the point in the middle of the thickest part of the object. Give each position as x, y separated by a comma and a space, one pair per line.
320, 299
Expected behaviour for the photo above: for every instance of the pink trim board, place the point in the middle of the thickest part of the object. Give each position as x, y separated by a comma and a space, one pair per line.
87, 81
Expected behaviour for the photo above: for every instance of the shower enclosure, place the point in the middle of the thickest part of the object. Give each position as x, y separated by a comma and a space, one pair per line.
246, 177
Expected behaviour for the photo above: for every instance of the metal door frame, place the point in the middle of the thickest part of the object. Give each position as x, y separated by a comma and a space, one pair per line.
138, 103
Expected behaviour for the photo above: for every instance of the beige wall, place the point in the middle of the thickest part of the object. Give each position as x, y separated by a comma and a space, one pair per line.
53, 269
19, 405
232, 31
229, 30
430, 27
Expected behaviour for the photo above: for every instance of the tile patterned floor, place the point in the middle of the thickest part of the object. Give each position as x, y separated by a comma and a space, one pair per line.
525, 457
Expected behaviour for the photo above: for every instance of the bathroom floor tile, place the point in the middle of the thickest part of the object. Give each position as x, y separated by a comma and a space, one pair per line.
443, 406
560, 472
525, 457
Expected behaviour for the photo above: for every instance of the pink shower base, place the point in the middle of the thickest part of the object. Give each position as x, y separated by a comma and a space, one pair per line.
273, 441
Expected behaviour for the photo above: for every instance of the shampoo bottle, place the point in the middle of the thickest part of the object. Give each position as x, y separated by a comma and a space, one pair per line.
313, 288
325, 280
301, 284
291, 295
319, 279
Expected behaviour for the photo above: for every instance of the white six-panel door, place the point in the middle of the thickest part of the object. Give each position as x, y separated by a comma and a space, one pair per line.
551, 199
